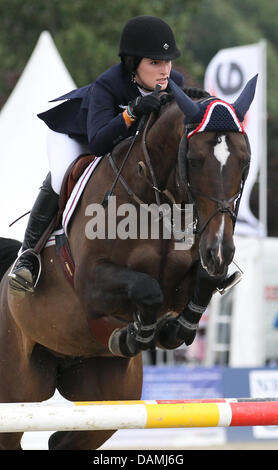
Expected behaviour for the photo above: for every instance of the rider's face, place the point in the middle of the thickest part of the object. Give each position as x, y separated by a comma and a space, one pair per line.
152, 72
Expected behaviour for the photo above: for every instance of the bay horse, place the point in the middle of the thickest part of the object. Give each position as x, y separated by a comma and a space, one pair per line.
85, 338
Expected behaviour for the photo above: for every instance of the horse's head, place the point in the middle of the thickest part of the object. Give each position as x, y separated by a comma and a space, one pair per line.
214, 160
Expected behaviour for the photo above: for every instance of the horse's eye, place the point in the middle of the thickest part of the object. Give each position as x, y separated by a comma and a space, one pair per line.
195, 162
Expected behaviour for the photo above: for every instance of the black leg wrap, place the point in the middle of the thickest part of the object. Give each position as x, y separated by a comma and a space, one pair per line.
173, 332
145, 334
129, 341
189, 322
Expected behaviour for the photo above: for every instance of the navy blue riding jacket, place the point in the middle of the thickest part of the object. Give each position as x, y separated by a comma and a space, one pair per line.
93, 114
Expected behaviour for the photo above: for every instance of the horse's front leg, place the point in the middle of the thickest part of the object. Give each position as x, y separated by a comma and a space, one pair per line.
172, 331
109, 289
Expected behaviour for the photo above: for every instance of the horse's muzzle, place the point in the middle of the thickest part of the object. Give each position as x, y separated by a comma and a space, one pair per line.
216, 258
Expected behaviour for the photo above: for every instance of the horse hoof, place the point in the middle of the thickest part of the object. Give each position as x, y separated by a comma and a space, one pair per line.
122, 343
168, 336
171, 333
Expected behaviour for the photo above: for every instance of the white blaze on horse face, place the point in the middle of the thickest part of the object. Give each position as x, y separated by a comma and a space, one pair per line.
221, 151
219, 236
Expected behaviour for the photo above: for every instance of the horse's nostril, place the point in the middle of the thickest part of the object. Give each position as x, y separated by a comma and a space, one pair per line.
212, 253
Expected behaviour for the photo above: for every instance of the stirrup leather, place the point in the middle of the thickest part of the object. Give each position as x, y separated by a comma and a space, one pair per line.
18, 282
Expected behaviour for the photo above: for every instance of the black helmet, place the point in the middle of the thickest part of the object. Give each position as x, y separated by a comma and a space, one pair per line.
148, 36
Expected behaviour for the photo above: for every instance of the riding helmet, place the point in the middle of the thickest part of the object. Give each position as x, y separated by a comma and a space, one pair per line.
150, 37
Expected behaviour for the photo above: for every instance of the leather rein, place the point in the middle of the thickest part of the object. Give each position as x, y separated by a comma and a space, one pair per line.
153, 183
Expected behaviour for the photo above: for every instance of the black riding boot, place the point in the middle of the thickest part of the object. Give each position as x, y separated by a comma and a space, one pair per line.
25, 272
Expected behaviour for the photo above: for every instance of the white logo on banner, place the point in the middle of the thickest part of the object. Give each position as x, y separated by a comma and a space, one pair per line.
264, 384
226, 75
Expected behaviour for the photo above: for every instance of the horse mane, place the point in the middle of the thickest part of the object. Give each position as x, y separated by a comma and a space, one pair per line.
167, 99
196, 93
193, 93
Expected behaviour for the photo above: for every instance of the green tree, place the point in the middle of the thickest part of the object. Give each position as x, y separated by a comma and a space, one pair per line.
86, 32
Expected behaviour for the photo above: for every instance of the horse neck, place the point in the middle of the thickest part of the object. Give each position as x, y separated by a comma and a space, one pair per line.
162, 142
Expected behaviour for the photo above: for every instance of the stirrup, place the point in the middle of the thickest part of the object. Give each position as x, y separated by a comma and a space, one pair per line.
17, 282
235, 279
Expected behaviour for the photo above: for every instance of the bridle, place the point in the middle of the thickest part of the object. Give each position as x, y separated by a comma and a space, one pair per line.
222, 205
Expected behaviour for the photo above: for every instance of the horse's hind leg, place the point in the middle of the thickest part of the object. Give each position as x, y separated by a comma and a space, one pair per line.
10, 441
97, 379
78, 440
27, 373
30, 382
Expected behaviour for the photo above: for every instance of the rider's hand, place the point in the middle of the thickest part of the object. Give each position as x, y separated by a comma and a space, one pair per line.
144, 105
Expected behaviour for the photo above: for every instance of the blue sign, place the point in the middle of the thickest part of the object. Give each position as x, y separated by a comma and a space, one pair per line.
181, 382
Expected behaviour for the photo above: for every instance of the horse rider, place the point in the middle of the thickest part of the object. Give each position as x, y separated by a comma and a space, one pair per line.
94, 118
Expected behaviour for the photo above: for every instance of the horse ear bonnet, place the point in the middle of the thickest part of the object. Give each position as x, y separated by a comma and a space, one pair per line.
214, 114
242, 104
217, 115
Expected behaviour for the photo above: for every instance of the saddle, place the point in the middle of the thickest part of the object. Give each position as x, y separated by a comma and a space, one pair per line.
71, 177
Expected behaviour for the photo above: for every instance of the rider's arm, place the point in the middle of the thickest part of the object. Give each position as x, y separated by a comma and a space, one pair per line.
107, 122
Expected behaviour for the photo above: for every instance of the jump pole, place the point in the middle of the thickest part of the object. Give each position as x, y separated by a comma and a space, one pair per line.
81, 416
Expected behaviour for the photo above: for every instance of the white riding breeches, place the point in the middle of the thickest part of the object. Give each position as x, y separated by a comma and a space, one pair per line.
62, 150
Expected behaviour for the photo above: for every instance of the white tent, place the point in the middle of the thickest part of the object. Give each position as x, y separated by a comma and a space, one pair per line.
23, 159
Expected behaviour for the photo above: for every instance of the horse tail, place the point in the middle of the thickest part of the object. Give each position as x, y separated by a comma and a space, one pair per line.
8, 253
